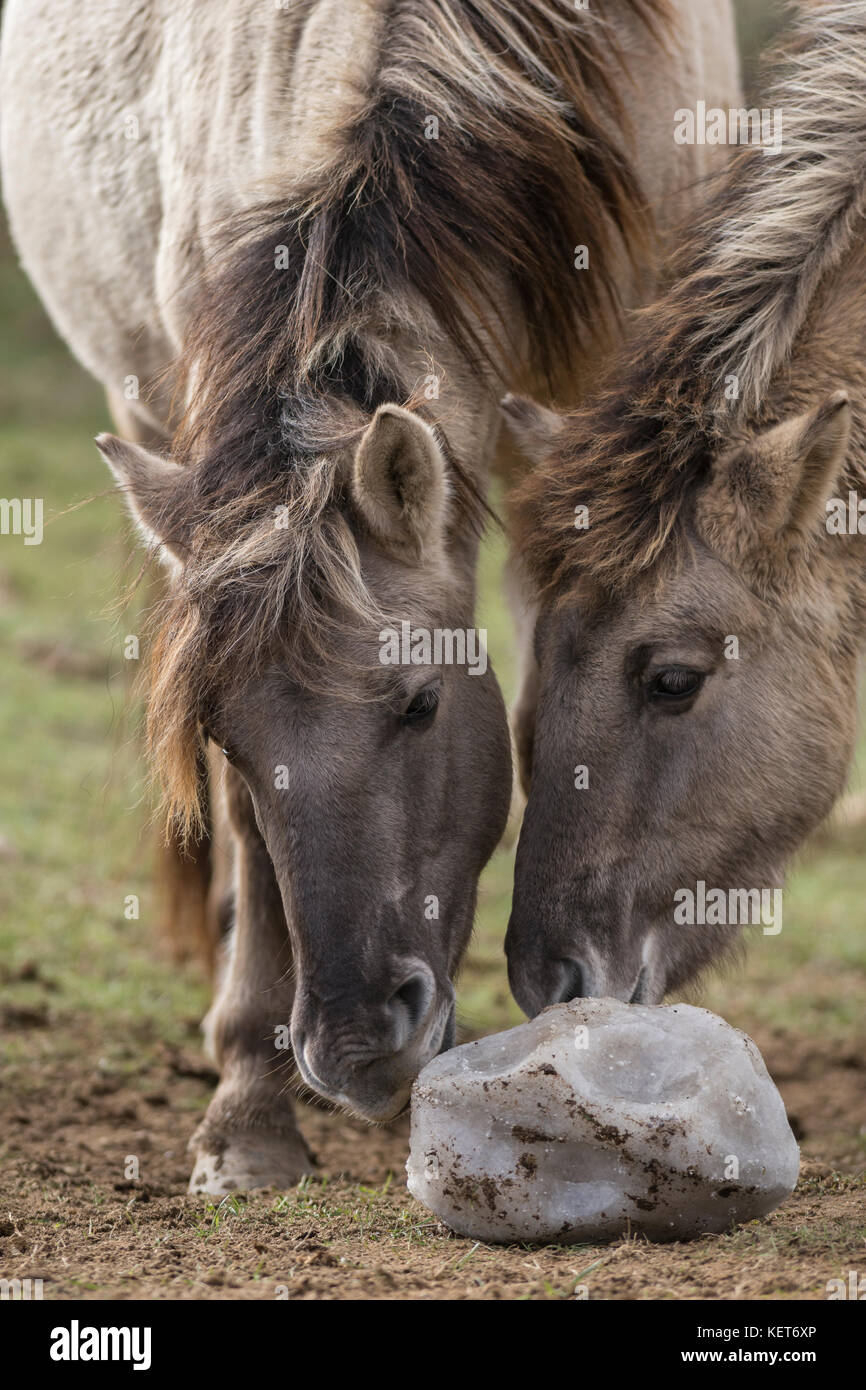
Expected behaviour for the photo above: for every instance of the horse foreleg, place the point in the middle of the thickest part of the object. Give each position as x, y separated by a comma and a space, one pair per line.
249, 1137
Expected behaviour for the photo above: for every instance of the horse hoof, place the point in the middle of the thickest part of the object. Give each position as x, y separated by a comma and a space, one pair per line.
242, 1162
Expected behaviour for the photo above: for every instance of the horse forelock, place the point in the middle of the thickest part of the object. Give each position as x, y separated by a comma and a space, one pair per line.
271, 566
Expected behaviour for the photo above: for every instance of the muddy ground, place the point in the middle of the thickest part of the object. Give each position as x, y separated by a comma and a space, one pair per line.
76, 1107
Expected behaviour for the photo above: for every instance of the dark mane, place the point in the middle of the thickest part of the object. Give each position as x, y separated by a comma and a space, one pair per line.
528, 162
289, 346
742, 285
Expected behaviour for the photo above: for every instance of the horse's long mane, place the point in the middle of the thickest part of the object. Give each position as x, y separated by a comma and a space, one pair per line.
740, 290
288, 348
527, 159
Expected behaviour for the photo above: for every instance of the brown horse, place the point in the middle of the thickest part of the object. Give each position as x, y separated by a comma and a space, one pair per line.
350, 228
694, 533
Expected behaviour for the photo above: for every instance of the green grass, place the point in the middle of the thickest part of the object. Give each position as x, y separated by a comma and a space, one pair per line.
74, 840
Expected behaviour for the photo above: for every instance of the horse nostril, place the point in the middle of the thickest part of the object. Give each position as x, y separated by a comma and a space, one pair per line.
410, 1004
573, 981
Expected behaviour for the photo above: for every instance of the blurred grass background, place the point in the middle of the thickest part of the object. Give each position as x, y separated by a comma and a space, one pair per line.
74, 835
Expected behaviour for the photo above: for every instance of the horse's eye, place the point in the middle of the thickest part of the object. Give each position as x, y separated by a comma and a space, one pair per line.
675, 685
225, 748
422, 707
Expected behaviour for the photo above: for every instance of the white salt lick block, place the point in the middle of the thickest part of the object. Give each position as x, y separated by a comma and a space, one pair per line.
600, 1118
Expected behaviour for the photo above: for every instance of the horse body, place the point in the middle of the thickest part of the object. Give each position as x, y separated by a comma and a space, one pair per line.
152, 127
242, 206
700, 640
162, 121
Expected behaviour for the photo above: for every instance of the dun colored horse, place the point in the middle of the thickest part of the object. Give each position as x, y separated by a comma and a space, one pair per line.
696, 537
335, 233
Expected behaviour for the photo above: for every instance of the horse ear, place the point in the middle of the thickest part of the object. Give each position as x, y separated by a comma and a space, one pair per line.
778, 483
399, 481
150, 485
533, 427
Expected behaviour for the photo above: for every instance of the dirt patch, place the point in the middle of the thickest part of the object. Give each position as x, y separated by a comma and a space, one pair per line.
94, 1170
